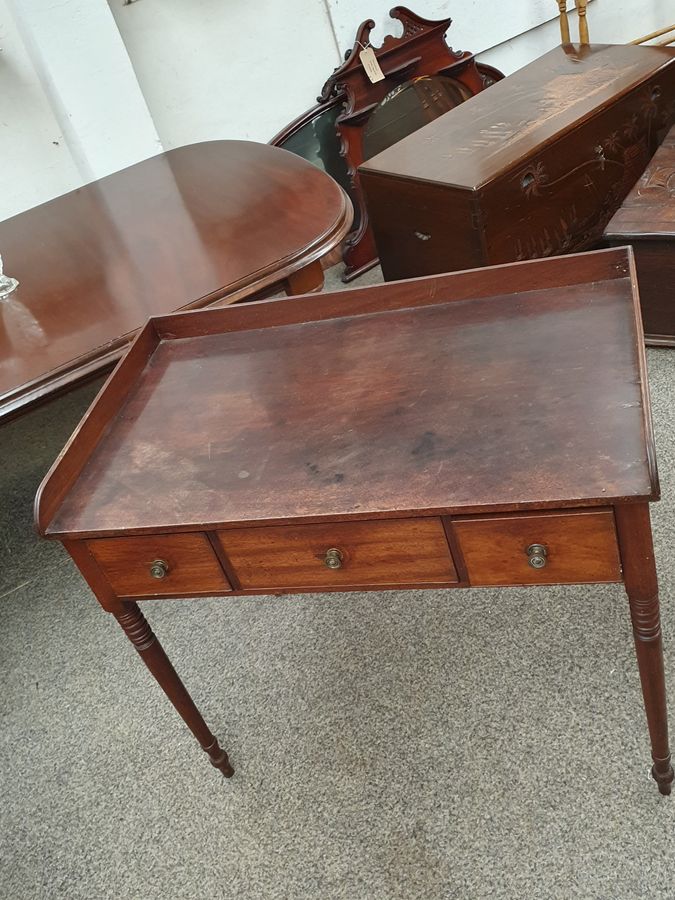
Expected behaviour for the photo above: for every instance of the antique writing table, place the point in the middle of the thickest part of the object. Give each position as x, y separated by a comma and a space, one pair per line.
169, 233
488, 427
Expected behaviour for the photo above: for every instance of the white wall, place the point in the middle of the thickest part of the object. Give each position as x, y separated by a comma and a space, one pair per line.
610, 22
220, 68
476, 30
90, 86
71, 109
35, 161
213, 69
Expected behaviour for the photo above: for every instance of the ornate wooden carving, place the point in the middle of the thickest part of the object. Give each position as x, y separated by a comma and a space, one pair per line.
420, 51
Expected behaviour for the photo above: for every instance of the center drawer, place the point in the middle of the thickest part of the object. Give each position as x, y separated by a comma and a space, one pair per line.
389, 551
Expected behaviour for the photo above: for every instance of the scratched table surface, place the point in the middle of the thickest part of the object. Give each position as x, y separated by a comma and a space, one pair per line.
506, 400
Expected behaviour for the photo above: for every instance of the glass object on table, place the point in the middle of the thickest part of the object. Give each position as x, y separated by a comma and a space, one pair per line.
7, 284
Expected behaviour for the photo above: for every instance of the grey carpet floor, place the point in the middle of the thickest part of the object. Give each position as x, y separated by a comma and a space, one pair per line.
433, 744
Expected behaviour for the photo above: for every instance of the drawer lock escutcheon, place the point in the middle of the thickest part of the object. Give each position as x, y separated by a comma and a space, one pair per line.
159, 568
536, 555
333, 558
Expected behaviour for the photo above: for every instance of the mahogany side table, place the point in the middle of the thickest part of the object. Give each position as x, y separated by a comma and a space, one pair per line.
488, 427
215, 222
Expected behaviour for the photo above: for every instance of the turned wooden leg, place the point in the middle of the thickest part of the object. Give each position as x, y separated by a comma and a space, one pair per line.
142, 637
583, 21
564, 22
639, 573
305, 281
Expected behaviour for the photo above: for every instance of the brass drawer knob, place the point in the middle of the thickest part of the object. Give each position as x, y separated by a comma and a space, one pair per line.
159, 568
333, 558
536, 555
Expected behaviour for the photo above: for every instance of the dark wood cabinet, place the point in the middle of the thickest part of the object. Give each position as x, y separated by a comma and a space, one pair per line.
534, 167
646, 220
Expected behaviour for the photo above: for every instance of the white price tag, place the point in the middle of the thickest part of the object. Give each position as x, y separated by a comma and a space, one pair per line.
371, 65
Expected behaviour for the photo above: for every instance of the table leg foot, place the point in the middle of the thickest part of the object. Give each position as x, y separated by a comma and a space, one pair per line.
662, 773
137, 629
219, 759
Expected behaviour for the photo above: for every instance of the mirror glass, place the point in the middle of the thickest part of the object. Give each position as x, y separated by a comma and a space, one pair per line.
318, 143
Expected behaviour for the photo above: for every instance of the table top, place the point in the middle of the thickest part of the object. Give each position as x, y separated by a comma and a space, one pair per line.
497, 129
509, 387
185, 228
649, 209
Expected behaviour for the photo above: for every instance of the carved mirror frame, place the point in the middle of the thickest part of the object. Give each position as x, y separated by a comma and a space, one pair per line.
421, 50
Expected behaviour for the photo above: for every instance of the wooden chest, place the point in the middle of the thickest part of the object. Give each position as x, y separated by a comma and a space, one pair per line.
646, 220
534, 167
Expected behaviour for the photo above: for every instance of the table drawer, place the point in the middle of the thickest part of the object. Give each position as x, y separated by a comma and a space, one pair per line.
579, 547
390, 551
182, 564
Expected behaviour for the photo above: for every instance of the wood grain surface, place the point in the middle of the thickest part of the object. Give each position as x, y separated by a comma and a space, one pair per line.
496, 129
192, 564
534, 167
386, 413
581, 547
649, 208
400, 551
646, 220
192, 226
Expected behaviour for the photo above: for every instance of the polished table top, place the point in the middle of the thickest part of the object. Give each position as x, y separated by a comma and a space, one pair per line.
185, 228
289, 410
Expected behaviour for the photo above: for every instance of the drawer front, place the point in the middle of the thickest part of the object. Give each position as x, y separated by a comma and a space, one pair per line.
392, 551
190, 565
579, 547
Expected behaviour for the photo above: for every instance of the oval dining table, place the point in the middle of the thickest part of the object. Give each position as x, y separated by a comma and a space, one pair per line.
211, 223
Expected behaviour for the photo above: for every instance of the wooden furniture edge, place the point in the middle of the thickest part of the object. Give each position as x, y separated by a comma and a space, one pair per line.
266, 279
621, 238
99, 584
659, 340
605, 264
647, 424
70, 462
469, 284
304, 118
541, 146
443, 512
